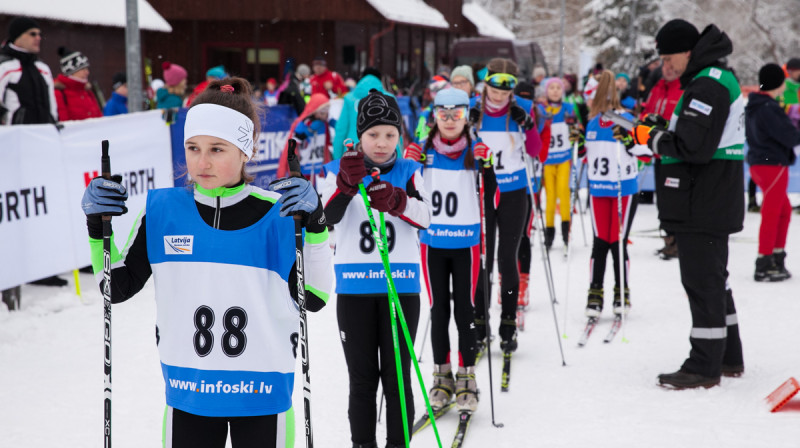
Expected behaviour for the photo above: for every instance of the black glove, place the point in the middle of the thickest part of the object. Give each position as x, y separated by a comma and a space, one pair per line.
576, 136
624, 137
474, 115
522, 118
655, 120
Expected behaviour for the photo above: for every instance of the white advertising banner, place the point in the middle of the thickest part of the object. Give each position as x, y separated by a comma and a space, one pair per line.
62, 165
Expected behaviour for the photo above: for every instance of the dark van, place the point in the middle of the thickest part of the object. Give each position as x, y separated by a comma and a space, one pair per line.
478, 50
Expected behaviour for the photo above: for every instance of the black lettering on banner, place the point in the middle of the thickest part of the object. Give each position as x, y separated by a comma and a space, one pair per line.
234, 340
367, 242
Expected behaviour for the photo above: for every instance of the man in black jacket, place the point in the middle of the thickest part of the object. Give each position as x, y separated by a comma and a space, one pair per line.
700, 193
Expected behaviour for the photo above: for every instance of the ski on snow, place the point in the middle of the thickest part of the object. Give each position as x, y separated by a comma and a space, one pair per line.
587, 331
614, 329
464, 418
506, 376
425, 421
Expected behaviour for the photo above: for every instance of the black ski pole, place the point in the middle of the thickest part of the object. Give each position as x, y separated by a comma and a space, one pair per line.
486, 286
105, 169
294, 171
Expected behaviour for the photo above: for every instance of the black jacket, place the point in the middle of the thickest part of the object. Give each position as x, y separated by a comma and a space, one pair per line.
293, 96
770, 133
700, 194
32, 91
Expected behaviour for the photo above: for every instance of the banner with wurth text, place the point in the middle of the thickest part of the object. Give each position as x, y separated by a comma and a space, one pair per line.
139, 149
43, 175
35, 231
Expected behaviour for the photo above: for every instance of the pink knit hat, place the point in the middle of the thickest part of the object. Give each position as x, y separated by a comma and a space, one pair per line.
173, 73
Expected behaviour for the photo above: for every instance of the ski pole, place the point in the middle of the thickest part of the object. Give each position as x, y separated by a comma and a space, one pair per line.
294, 171
620, 250
485, 278
424, 338
546, 259
396, 314
580, 205
105, 169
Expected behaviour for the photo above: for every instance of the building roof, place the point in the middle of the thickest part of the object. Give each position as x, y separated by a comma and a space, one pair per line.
487, 24
415, 12
88, 12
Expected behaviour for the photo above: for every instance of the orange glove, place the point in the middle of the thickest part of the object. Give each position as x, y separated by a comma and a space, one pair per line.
641, 134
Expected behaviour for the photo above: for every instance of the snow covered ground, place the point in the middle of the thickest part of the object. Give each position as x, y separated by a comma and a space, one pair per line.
51, 362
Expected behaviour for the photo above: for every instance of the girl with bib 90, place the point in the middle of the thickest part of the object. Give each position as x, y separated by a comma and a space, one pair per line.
222, 256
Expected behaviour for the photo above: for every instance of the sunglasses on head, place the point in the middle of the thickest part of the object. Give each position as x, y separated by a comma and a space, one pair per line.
453, 113
502, 81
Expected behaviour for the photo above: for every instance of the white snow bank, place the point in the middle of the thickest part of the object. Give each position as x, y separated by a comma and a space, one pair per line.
487, 24
415, 12
89, 12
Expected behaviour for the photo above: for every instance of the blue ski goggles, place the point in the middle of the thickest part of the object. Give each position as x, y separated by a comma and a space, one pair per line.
502, 81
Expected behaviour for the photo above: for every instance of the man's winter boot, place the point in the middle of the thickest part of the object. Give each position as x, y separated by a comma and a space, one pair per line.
508, 333
618, 301
522, 298
549, 236
670, 249
466, 389
780, 262
443, 386
372, 444
565, 232
767, 270
683, 379
594, 303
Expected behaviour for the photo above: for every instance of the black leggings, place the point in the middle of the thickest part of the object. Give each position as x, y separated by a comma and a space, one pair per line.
366, 334
509, 220
524, 253
185, 430
439, 266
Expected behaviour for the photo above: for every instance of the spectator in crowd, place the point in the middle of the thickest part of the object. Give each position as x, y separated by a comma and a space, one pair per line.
425, 121
213, 74
539, 73
304, 73
74, 95
626, 96
573, 96
461, 78
346, 124
648, 75
171, 95
271, 94
26, 83
118, 103
444, 72
772, 138
26, 97
789, 98
293, 92
326, 81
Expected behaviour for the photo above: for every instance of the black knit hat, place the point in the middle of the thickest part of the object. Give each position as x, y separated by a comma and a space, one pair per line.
118, 80
18, 26
793, 64
770, 77
376, 109
72, 61
676, 36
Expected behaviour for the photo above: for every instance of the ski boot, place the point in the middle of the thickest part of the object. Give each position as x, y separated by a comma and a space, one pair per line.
549, 236
618, 301
443, 386
466, 390
767, 270
522, 298
565, 226
508, 334
780, 262
594, 303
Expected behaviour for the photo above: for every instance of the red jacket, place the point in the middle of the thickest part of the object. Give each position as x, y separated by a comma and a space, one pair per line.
663, 98
75, 100
318, 83
197, 91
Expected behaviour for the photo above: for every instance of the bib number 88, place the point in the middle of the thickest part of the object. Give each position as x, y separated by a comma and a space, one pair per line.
234, 340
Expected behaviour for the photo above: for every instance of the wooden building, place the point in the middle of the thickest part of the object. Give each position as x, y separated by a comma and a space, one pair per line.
405, 39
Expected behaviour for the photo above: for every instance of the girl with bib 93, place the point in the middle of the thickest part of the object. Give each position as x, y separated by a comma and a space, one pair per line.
222, 256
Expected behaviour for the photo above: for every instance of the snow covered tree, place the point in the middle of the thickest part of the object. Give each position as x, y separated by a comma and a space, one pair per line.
621, 30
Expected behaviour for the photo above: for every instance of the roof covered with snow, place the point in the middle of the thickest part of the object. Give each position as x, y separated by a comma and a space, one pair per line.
415, 12
487, 24
88, 12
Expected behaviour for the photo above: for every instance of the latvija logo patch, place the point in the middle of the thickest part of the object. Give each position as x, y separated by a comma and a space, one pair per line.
178, 244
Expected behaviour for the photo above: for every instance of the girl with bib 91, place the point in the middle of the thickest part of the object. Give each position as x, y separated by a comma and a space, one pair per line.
222, 256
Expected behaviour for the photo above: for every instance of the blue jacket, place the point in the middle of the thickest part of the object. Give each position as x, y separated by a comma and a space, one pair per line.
346, 124
770, 134
166, 100
116, 105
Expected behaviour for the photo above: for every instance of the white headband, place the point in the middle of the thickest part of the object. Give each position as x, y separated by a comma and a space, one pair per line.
222, 122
